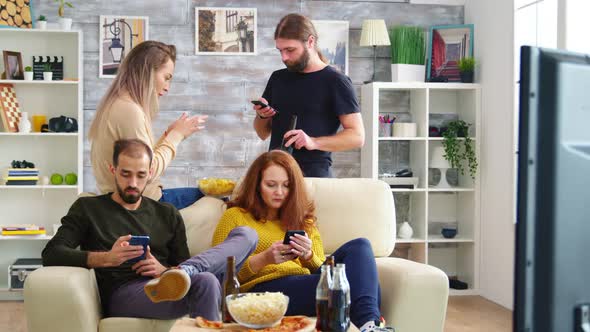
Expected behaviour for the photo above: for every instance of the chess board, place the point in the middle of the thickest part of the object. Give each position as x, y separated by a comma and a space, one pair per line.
9, 109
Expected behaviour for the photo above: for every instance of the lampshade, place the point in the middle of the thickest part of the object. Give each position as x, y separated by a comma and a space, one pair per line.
374, 33
437, 159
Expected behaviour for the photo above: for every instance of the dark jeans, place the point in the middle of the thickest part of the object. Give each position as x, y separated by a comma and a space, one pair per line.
204, 295
181, 197
361, 272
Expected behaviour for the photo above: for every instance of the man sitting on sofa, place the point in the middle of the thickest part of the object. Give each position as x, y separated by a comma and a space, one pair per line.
157, 286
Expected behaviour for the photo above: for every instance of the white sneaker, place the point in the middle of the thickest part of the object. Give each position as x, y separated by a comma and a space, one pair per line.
172, 285
370, 326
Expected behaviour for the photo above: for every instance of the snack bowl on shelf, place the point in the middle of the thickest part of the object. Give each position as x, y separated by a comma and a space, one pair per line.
257, 310
217, 187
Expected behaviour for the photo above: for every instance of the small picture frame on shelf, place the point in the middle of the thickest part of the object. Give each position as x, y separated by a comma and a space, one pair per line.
447, 45
16, 14
13, 65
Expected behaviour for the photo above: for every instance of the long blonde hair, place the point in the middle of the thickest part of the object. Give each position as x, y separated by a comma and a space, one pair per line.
135, 77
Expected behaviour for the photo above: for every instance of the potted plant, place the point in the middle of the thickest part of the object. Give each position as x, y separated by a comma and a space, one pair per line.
407, 54
41, 22
47, 73
466, 69
456, 154
64, 22
28, 73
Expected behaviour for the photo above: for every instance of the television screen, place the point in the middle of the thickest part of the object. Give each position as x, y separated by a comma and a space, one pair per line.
552, 271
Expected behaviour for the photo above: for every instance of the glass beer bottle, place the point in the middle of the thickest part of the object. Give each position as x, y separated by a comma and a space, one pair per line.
339, 301
230, 286
322, 294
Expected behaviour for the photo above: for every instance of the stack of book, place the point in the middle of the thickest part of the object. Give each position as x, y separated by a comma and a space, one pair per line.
22, 177
23, 230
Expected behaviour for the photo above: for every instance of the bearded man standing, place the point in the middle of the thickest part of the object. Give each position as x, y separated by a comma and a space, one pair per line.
320, 96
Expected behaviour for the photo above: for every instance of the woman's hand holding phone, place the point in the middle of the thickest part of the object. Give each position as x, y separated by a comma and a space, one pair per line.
300, 244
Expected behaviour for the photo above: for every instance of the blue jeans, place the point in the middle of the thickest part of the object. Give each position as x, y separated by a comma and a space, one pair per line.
181, 197
361, 272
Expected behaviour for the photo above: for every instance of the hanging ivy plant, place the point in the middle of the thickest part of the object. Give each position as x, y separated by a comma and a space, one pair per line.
454, 154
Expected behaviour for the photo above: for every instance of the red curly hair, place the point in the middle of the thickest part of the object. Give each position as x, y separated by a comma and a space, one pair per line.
297, 212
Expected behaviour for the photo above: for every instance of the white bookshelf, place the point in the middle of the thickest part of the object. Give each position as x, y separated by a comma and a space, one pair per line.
62, 153
429, 208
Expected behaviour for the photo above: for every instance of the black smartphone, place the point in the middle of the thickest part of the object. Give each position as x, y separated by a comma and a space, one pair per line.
288, 235
292, 125
259, 103
139, 240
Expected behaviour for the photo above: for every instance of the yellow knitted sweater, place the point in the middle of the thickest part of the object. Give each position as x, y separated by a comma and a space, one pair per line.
268, 232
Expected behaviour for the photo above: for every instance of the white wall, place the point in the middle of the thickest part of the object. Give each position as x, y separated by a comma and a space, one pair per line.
494, 36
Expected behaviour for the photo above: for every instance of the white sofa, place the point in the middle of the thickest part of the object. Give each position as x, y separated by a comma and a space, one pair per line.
414, 296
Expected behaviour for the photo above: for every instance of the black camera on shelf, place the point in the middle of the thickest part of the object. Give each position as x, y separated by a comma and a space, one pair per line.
21, 164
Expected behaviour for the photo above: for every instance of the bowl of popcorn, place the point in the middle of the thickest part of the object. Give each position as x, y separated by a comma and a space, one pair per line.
217, 187
257, 310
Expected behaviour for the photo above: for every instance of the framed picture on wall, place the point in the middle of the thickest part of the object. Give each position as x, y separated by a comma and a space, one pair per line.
225, 31
16, 14
13, 65
118, 35
333, 42
446, 46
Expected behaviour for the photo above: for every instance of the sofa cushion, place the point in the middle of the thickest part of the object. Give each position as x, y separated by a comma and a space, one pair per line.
200, 220
350, 208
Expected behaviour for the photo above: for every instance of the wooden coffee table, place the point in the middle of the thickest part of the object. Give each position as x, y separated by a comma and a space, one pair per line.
189, 325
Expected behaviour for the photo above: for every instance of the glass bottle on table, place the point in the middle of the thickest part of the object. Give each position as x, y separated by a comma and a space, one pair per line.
230, 286
322, 295
339, 301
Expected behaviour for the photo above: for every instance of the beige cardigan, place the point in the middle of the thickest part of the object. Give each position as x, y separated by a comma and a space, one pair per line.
126, 119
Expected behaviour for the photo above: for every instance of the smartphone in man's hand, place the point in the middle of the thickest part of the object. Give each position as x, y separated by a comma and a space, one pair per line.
259, 103
288, 235
139, 240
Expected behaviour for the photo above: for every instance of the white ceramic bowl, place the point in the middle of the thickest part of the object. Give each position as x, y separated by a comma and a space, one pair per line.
257, 310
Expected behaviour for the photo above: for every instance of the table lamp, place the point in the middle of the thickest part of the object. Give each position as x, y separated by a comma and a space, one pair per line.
437, 160
374, 33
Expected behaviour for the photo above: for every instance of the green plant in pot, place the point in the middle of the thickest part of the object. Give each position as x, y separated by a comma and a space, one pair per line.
455, 152
64, 22
28, 73
408, 50
47, 73
41, 22
466, 69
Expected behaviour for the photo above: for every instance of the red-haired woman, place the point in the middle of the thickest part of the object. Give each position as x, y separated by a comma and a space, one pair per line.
272, 199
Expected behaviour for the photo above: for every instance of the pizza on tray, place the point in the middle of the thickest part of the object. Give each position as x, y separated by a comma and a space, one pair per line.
288, 324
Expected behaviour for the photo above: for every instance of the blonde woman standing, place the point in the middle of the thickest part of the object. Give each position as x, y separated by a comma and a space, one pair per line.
127, 111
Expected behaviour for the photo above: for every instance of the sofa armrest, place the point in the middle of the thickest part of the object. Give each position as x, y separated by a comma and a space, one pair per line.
413, 296
59, 298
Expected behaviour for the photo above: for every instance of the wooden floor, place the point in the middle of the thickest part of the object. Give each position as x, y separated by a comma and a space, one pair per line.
464, 314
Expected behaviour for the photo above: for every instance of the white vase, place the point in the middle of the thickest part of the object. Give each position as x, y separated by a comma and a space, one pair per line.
42, 25
48, 75
65, 23
28, 76
24, 125
405, 231
407, 73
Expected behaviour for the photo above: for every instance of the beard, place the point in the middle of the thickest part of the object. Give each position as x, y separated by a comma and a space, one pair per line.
297, 66
129, 198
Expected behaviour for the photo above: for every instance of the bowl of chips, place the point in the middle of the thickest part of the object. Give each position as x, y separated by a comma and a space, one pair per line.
217, 187
257, 310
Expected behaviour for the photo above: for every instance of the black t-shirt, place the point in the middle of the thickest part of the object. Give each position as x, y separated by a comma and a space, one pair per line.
95, 223
318, 99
